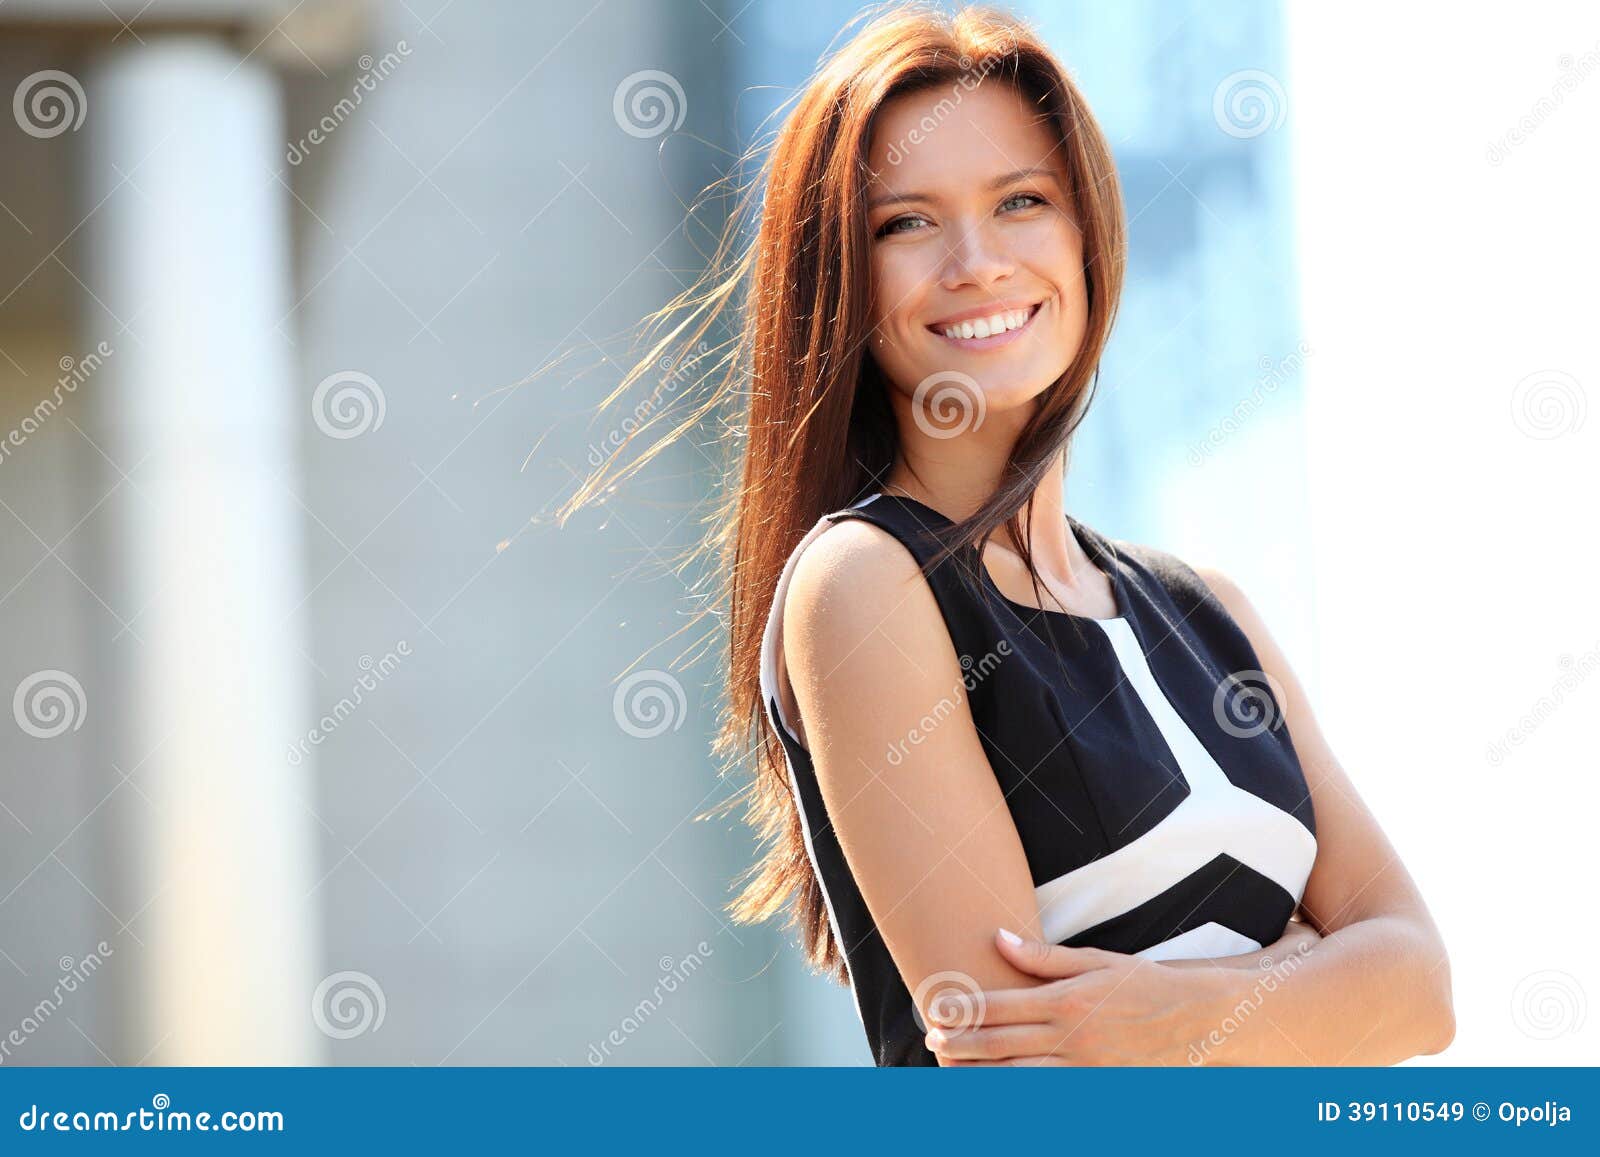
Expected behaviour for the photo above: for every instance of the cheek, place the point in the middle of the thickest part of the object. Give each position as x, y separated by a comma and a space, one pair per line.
1057, 252
899, 281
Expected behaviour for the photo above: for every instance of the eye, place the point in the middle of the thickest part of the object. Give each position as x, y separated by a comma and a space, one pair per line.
893, 226
1031, 200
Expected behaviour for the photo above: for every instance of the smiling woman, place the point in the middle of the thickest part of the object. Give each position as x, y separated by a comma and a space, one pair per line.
1105, 793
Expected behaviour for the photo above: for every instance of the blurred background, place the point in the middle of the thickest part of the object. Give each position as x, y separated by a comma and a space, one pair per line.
325, 745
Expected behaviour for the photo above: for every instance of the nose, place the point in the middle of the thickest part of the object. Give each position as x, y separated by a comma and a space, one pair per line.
978, 256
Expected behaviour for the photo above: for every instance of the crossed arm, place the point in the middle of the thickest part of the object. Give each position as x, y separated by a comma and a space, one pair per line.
932, 846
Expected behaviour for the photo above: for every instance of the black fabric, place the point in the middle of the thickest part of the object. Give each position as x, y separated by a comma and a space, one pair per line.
1084, 769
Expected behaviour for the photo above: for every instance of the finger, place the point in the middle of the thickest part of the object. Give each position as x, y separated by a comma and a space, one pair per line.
1011, 1006
1010, 1062
1051, 961
993, 1044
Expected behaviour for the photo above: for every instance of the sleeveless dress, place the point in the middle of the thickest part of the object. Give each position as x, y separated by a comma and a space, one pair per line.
1144, 760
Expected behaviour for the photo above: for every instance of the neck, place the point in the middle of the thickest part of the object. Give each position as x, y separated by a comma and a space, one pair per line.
956, 481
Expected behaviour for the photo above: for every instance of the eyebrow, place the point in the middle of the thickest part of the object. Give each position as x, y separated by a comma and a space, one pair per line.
998, 182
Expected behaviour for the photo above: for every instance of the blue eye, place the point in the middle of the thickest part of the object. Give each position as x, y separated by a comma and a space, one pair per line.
890, 227
1033, 198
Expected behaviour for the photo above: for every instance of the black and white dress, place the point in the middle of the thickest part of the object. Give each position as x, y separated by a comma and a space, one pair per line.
1144, 760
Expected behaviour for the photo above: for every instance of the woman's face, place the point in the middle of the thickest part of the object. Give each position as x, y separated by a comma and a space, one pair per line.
971, 228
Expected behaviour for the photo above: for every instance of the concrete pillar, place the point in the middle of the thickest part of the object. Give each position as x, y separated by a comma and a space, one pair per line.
187, 244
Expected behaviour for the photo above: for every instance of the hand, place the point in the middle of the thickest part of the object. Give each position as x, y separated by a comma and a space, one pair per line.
1098, 1008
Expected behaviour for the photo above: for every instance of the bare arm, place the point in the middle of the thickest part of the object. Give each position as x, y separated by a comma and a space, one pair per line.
908, 787
1376, 989
1298, 938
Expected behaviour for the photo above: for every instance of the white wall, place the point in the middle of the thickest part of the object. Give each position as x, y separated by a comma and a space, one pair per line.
1452, 508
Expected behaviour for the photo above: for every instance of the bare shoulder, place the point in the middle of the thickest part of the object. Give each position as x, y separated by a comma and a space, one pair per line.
1228, 592
1231, 595
861, 626
854, 579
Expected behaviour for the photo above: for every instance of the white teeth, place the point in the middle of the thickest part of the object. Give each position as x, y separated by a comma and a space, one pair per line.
989, 326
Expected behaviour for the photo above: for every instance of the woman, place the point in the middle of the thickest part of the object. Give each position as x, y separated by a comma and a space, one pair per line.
1039, 796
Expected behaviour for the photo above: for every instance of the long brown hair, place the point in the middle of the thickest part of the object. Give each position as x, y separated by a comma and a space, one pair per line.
813, 424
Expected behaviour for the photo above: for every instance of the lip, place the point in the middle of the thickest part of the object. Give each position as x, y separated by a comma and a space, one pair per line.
993, 341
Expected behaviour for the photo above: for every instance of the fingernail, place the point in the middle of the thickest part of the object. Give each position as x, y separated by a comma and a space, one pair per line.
1010, 937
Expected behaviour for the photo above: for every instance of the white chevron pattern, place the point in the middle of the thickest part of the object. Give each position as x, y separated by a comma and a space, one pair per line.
1215, 818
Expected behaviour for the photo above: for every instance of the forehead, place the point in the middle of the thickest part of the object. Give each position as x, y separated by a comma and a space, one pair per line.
949, 138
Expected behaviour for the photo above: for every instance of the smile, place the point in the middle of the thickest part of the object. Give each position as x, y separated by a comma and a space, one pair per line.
988, 332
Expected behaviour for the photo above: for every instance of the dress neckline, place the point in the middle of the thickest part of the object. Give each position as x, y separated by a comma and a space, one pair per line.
1100, 555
